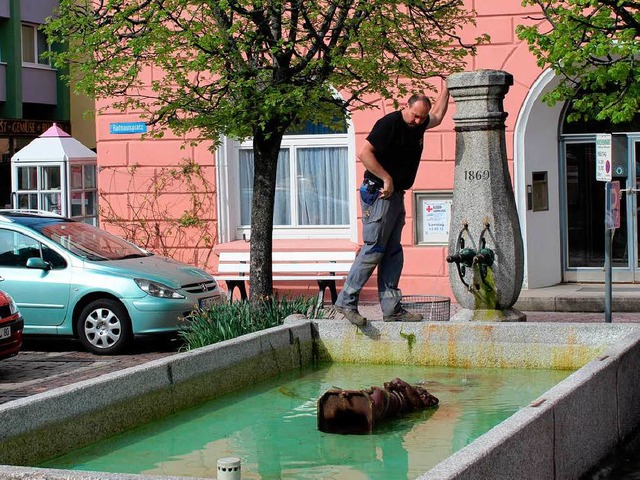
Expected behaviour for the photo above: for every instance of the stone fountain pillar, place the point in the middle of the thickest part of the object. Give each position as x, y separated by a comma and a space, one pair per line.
485, 244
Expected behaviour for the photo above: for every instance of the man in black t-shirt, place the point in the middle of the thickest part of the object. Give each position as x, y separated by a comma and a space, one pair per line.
391, 155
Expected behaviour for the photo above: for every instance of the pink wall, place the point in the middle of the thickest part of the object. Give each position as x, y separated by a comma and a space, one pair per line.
425, 268
130, 169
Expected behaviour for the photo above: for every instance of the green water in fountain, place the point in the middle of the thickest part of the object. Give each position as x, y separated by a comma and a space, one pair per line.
272, 427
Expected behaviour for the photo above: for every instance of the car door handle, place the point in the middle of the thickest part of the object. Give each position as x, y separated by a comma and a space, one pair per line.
1, 278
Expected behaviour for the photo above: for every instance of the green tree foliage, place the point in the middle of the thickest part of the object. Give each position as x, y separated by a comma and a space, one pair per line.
593, 45
254, 68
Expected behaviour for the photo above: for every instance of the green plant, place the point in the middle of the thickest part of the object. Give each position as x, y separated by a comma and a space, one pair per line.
230, 320
593, 47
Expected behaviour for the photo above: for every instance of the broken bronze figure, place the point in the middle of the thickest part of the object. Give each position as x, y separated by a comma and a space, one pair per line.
358, 411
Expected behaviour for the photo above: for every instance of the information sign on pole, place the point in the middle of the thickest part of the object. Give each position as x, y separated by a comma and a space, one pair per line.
612, 205
603, 157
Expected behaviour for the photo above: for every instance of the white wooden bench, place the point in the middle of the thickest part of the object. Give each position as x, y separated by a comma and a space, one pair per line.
323, 267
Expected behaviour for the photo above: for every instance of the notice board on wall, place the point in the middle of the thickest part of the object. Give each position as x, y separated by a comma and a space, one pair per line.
433, 217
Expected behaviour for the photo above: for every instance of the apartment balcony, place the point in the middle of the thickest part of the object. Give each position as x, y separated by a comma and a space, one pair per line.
3, 82
39, 85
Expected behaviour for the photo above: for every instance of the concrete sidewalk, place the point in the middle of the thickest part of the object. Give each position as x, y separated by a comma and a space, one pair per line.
569, 301
372, 312
566, 302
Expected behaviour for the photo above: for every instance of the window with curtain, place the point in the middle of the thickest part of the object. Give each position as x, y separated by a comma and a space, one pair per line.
34, 45
312, 187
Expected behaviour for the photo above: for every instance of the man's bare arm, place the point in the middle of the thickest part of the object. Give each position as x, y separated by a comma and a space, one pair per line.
368, 158
436, 115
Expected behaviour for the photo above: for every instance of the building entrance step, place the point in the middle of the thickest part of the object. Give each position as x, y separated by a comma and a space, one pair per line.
579, 297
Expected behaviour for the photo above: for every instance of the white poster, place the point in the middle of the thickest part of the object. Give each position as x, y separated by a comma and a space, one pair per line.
436, 216
603, 157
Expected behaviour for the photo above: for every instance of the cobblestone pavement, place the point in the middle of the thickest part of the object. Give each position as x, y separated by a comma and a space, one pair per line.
47, 363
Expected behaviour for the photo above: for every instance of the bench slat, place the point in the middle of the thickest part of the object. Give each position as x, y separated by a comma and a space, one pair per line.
291, 257
285, 277
288, 267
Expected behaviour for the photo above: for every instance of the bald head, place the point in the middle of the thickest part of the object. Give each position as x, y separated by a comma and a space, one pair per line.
417, 110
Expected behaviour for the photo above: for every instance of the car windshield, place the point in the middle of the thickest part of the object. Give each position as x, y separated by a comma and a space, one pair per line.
90, 242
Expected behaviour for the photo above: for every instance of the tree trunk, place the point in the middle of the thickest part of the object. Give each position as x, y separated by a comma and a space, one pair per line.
266, 148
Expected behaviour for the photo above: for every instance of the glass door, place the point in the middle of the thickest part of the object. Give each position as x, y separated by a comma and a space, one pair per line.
632, 197
583, 199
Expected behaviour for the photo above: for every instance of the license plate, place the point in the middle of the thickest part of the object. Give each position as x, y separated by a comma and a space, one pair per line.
5, 332
206, 302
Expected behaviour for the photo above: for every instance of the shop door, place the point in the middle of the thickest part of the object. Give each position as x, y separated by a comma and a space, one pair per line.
583, 209
631, 195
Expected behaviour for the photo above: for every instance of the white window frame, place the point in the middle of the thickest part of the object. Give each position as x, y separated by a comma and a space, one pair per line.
84, 190
228, 188
39, 189
36, 53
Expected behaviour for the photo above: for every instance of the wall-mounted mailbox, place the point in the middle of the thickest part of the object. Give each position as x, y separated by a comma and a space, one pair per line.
539, 192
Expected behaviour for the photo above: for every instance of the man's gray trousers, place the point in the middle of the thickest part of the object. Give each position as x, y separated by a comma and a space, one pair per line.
382, 224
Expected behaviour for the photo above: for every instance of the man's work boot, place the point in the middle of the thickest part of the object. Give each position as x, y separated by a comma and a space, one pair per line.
403, 315
352, 315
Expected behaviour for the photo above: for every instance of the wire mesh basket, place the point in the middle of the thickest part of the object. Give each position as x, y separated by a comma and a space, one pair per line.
434, 308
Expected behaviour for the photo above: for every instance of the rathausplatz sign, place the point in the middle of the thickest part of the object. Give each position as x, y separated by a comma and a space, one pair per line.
127, 128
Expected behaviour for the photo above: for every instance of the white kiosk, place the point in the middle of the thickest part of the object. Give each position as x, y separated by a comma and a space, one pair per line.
56, 173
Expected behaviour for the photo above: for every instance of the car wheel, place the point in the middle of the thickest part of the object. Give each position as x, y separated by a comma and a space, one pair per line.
104, 327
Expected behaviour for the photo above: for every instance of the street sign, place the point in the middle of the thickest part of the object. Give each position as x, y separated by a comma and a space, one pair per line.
124, 128
612, 205
603, 157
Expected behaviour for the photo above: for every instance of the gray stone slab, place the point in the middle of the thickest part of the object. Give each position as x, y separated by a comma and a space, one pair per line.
227, 354
575, 302
562, 434
587, 304
485, 344
536, 304
482, 315
78, 399
521, 447
225, 367
586, 417
628, 378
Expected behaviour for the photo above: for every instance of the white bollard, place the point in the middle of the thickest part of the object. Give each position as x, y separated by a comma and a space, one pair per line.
228, 468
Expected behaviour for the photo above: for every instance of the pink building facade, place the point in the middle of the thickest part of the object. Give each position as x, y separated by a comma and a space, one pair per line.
552, 164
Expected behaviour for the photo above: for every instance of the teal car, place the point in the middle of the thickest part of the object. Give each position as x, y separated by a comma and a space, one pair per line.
72, 279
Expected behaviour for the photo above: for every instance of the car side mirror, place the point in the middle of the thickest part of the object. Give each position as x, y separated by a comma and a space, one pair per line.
37, 262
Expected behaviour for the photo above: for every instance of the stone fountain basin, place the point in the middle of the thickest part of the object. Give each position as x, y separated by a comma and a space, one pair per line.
562, 434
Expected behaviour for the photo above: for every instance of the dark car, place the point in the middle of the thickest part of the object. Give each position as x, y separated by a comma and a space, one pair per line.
11, 326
